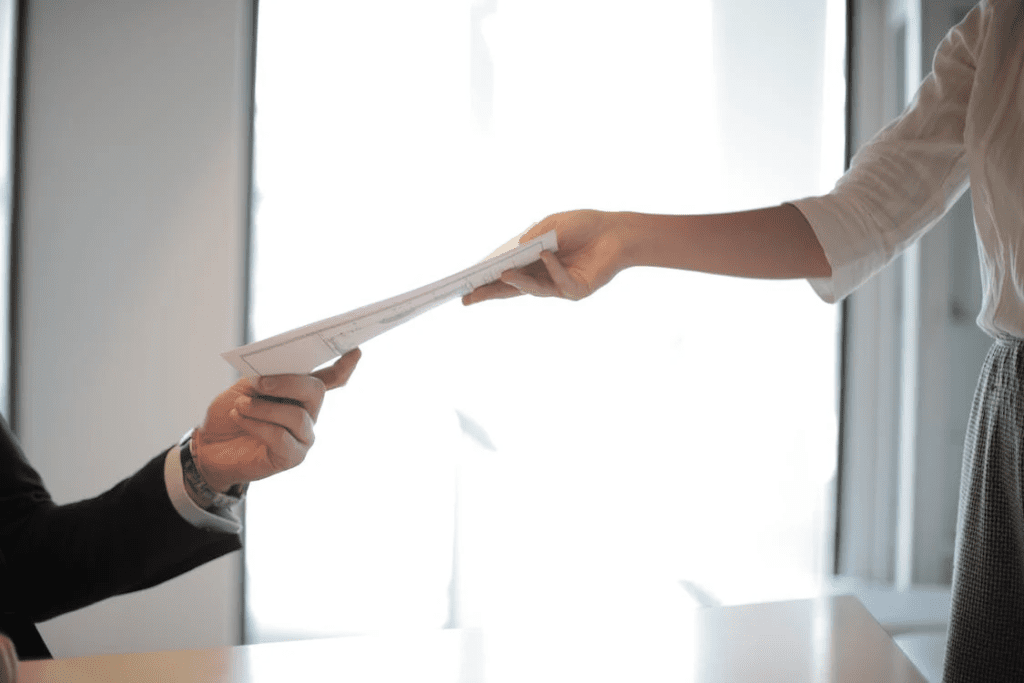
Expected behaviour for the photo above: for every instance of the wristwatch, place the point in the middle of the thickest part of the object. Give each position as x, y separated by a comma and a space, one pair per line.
208, 498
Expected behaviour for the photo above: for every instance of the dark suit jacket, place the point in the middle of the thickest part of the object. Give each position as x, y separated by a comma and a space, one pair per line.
59, 558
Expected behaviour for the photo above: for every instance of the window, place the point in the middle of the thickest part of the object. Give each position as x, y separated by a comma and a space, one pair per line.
8, 54
670, 440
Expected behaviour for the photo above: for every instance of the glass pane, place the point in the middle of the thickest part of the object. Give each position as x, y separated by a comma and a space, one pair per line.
608, 460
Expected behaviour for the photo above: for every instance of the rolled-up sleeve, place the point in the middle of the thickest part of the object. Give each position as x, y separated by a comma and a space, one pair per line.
902, 182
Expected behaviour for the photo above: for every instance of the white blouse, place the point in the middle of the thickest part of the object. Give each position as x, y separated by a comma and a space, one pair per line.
965, 125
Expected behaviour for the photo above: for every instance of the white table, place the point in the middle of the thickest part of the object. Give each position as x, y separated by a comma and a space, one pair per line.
831, 640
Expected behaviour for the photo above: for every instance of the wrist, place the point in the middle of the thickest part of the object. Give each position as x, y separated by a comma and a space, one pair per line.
205, 493
216, 483
628, 230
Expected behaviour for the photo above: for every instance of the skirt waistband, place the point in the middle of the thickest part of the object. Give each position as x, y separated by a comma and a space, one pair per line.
1013, 342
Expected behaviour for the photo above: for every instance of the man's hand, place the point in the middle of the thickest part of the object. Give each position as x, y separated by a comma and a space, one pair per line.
591, 248
251, 432
8, 660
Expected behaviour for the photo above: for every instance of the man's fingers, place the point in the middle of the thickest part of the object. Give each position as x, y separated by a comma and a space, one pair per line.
338, 374
274, 412
307, 391
297, 390
283, 449
8, 661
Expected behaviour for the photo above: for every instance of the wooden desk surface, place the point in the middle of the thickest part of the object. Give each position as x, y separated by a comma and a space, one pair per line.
832, 640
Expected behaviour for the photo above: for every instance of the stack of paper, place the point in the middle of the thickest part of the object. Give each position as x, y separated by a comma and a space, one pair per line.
303, 349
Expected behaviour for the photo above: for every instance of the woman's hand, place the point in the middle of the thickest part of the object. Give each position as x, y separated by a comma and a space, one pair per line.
772, 242
591, 251
251, 432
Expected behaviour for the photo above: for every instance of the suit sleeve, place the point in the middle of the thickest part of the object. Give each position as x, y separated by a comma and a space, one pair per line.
59, 558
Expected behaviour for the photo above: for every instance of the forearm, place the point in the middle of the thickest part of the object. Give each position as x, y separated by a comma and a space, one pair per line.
126, 539
775, 243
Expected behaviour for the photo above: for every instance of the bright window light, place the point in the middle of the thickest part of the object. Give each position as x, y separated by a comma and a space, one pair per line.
615, 461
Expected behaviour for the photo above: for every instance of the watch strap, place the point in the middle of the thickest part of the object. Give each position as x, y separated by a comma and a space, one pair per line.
194, 480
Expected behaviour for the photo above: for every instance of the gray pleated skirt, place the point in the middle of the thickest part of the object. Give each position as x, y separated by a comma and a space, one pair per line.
986, 626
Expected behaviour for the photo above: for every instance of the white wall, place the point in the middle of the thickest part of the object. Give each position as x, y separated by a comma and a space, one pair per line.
132, 225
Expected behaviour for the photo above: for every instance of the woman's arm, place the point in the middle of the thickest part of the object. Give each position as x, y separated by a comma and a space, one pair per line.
776, 242
593, 246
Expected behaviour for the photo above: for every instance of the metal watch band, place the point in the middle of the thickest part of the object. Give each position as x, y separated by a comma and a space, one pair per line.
195, 481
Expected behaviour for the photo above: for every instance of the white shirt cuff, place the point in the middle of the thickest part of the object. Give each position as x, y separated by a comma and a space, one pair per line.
224, 520
850, 267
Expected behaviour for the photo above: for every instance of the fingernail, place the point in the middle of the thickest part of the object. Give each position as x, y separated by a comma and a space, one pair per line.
268, 383
243, 401
513, 284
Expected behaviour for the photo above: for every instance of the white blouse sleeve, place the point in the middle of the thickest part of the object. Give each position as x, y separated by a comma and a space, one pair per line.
901, 182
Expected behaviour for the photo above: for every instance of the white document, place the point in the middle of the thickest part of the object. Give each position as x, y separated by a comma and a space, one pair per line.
303, 349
